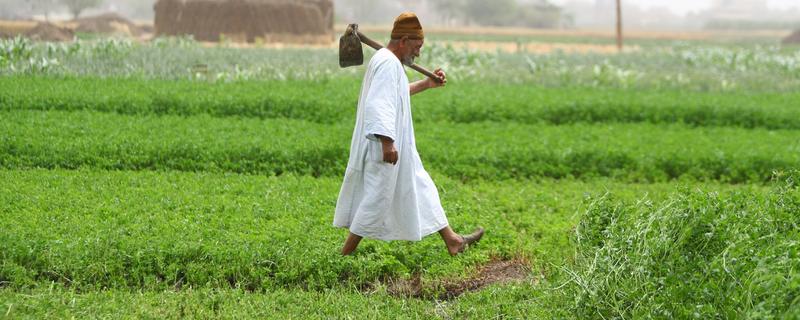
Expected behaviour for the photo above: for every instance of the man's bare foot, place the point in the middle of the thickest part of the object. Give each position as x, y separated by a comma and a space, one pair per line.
465, 241
456, 245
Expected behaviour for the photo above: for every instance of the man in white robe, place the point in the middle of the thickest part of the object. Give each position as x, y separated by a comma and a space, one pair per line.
386, 193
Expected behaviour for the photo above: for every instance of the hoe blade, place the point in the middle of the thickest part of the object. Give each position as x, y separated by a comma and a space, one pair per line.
350, 53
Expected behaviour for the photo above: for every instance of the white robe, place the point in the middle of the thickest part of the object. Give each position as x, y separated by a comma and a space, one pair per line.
379, 200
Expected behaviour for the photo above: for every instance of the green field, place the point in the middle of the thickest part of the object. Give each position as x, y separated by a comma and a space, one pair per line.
171, 180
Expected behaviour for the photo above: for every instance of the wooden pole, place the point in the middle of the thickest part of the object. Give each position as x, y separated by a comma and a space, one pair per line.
619, 25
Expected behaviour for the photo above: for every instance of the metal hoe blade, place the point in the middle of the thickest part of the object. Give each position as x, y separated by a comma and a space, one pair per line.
350, 52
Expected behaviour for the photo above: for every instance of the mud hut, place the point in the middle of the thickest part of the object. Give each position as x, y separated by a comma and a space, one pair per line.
794, 38
298, 21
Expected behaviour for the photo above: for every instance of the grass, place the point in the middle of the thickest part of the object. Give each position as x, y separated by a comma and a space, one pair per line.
334, 102
699, 254
631, 152
514, 302
171, 180
90, 230
195, 244
210, 303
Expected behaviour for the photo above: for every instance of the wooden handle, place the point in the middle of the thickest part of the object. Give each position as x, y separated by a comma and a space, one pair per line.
377, 46
366, 40
427, 73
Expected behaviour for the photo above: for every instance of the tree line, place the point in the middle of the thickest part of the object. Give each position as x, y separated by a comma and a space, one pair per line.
11, 8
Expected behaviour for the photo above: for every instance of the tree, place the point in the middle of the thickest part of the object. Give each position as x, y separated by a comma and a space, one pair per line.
619, 25
77, 6
540, 14
43, 6
492, 13
501, 13
450, 10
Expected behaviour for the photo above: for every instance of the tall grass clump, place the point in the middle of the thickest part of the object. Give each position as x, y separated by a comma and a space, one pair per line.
698, 255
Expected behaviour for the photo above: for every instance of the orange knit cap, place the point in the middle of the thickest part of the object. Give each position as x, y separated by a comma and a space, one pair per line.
407, 24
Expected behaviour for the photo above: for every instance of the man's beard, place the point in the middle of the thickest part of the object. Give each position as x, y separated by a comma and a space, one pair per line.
408, 60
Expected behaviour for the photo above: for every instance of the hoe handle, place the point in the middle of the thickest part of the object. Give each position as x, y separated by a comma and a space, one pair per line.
427, 73
366, 40
377, 46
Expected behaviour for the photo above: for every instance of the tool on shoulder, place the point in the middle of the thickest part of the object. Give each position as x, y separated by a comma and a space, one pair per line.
351, 53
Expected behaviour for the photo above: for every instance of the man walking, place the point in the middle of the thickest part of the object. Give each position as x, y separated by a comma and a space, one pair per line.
386, 193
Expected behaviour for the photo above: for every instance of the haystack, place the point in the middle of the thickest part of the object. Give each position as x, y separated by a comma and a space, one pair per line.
13, 28
794, 38
45, 31
107, 23
246, 20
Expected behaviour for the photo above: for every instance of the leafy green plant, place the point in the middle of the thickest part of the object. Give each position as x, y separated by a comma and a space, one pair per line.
335, 101
633, 152
16, 49
685, 67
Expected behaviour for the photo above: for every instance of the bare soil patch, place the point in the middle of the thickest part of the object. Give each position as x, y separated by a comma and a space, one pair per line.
107, 23
9, 29
538, 47
45, 31
495, 272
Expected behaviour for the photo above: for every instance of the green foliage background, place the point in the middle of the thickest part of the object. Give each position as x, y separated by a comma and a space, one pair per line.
174, 180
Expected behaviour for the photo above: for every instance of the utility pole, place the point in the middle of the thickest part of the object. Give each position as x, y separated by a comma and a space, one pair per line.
619, 25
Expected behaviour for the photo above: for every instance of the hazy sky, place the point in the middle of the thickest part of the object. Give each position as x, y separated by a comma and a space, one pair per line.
685, 6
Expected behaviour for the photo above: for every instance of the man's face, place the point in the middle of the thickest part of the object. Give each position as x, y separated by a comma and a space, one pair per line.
411, 49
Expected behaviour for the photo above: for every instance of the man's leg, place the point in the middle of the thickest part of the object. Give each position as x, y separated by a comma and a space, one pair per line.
350, 244
456, 243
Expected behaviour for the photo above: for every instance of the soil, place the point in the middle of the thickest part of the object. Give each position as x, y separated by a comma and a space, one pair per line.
107, 23
539, 48
45, 31
12, 28
495, 272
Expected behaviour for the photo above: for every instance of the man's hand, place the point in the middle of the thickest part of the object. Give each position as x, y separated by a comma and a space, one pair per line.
435, 84
389, 151
428, 83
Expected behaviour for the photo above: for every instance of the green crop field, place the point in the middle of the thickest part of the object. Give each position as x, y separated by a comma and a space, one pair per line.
173, 180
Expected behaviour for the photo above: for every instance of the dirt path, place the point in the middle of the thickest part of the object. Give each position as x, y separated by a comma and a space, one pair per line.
495, 272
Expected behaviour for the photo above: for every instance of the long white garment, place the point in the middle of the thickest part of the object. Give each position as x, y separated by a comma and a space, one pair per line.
379, 200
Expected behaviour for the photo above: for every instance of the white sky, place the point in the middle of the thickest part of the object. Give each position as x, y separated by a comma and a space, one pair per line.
685, 6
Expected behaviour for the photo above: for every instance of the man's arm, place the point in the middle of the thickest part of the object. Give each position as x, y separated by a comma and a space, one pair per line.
428, 83
389, 151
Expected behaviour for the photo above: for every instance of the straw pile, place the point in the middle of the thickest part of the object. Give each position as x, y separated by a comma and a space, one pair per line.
246, 20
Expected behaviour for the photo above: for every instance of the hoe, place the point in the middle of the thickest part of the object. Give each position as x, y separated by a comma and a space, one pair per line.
350, 52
